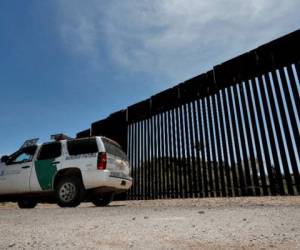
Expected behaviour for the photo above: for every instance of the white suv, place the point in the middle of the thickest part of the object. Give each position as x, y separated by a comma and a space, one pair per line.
65, 171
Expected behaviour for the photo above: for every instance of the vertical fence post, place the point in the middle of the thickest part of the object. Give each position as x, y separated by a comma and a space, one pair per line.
284, 130
196, 148
244, 143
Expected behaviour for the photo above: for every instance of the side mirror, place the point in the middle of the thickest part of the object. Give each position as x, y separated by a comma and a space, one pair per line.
4, 158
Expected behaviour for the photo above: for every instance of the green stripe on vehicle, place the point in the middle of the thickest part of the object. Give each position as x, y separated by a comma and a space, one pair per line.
45, 171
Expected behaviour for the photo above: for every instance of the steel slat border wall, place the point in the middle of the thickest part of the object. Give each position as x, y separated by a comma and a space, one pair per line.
239, 168
232, 131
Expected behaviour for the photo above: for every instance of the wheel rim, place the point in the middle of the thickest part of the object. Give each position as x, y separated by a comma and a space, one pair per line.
67, 192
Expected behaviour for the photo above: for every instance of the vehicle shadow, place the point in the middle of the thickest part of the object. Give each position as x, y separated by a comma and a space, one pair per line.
108, 206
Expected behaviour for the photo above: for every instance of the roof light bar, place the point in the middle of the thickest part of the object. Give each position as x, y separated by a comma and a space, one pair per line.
59, 137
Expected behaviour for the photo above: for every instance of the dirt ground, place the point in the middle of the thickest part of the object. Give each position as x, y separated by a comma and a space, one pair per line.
215, 223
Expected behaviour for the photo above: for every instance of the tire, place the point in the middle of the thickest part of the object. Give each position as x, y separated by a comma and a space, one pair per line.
69, 191
102, 200
27, 203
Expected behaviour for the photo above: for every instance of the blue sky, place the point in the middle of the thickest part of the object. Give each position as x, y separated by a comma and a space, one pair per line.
65, 64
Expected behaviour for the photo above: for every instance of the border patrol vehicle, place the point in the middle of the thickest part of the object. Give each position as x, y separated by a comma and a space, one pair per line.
65, 171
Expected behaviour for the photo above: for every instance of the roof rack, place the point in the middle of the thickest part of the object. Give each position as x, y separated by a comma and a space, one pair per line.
59, 137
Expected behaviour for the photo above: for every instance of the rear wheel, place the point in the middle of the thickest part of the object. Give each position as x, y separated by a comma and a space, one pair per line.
27, 203
102, 200
69, 191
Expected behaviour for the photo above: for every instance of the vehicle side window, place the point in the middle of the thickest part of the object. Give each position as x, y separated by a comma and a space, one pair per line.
82, 146
50, 151
23, 155
113, 149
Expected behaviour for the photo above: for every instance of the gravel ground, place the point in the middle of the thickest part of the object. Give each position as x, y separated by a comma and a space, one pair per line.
214, 223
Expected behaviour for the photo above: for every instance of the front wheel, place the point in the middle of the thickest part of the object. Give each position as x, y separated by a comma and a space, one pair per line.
27, 203
102, 200
69, 192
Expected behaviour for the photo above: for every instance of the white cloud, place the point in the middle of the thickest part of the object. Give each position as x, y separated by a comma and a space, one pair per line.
172, 39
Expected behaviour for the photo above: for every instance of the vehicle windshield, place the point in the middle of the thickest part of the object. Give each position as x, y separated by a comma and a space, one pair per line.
23, 155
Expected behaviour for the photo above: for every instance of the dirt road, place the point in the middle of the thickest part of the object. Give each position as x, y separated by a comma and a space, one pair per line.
236, 223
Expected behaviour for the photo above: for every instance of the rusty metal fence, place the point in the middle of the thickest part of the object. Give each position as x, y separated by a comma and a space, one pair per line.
233, 131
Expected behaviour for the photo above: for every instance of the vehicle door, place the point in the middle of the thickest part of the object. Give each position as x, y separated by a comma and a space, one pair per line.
15, 172
47, 163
